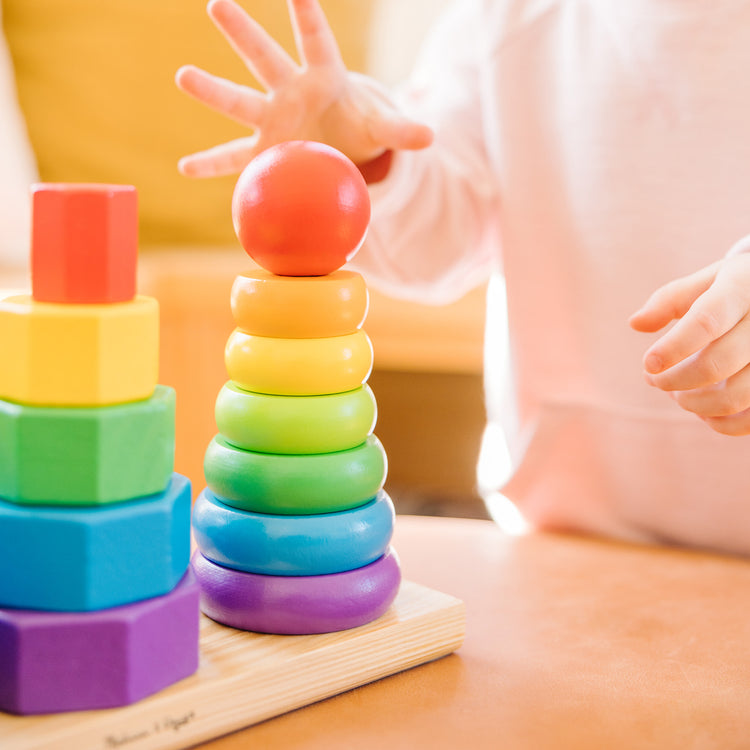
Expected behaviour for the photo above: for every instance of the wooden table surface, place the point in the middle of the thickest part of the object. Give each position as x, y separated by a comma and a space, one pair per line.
570, 643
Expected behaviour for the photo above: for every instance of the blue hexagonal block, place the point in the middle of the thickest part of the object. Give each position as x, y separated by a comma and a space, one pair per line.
81, 559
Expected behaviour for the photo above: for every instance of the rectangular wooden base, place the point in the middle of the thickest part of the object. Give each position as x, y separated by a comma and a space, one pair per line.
245, 678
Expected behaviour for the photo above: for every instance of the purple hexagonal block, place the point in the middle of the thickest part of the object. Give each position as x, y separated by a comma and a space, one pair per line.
52, 662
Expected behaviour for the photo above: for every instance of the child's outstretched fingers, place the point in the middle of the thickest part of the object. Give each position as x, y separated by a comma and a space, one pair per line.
736, 424
226, 159
313, 99
720, 401
240, 103
672, 300
704, 359
264, 56
315, 40
708, 305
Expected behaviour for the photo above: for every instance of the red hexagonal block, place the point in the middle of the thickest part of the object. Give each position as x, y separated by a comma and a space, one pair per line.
84, 242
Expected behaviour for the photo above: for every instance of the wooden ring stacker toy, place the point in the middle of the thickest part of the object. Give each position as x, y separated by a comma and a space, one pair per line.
86, 456
78, 354
292, 545
295, 424
73, 661
295, 484
297, 605
298, 367
299, 307
80, 559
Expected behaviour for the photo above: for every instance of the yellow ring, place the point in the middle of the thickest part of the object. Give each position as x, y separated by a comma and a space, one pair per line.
298, 367
299, 307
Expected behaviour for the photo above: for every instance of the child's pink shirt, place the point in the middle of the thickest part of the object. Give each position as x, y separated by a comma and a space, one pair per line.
589, 151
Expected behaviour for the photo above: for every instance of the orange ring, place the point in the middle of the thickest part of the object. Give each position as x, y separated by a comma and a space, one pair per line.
298, 367
299, 307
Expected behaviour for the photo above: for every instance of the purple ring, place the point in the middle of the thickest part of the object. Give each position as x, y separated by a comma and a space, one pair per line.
297, 605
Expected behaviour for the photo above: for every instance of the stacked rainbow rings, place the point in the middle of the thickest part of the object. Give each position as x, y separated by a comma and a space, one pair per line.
293, 528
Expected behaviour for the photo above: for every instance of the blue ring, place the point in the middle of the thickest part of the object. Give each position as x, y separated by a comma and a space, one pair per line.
292, 545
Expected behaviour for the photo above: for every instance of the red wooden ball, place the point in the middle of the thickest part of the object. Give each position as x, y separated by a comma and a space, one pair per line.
301, 208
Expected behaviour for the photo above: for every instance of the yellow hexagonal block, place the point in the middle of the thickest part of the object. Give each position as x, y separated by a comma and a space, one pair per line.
78, 355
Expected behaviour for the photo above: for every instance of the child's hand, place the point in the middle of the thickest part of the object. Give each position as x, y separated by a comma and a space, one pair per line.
317, 100
703, 360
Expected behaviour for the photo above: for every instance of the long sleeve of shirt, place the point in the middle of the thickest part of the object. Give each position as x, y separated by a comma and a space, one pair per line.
433, 235
590, 151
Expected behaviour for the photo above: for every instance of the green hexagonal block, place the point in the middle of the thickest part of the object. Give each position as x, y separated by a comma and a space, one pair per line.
86, 456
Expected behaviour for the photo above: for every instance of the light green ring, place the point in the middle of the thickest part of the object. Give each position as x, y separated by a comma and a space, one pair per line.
295, 424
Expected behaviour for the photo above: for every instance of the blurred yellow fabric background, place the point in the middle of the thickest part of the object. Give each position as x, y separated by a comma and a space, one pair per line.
96, 85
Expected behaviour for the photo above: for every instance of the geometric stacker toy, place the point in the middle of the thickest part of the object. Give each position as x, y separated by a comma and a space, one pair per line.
293, 528
297, 570
98, 607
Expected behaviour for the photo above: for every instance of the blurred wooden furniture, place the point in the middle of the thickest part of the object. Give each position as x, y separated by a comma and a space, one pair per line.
571, 643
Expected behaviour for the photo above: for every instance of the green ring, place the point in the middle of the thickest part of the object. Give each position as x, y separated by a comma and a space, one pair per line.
295, 484
295, 424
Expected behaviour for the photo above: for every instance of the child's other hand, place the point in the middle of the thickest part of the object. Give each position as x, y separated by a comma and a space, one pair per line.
316, 100
703, 361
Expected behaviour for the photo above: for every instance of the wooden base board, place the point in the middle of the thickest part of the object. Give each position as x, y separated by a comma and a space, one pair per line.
245, 678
